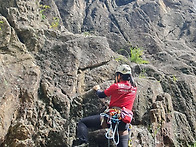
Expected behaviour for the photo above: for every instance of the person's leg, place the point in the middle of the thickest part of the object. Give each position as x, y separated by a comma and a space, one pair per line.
124, 140
124, 137
85, 123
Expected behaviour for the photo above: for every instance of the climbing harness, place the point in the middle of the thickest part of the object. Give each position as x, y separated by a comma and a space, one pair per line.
113, 118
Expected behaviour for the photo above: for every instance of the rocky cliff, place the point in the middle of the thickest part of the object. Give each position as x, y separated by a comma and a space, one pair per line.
52, 52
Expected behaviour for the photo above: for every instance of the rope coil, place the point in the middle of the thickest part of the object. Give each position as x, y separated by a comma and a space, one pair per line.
110, 134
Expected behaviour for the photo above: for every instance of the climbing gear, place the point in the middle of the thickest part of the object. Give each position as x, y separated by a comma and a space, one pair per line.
113, 119
126, 115
129, 133
124, 69
114, 116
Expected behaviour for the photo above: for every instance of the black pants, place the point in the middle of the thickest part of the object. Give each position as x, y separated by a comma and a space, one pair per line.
94, 122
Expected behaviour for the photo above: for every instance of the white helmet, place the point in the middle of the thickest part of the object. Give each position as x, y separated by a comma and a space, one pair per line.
124, 69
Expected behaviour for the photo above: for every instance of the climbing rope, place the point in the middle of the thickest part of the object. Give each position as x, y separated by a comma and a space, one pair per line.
113, 118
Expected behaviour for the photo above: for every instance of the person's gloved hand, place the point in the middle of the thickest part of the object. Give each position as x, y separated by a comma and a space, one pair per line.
96, 87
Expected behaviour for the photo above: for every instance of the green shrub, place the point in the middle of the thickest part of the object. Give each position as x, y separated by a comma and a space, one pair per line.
193, 145
55, 22
174, 78
1, 22
136, 55
86, 34
43, 8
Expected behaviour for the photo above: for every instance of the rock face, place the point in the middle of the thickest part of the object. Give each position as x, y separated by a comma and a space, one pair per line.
52, 52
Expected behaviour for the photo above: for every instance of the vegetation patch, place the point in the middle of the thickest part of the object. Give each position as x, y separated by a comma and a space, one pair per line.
174, 78
142, 73
1, 22
134, 55
55, 22
193, 145
86, 34
43, 8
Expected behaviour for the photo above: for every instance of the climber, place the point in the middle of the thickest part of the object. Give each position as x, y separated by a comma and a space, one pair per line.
122, 95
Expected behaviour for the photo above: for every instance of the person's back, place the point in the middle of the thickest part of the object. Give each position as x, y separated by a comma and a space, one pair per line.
122, 95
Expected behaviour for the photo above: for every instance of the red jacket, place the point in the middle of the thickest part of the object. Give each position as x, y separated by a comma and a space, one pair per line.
122, 94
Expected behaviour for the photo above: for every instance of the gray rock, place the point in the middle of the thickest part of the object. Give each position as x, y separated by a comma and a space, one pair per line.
53, 52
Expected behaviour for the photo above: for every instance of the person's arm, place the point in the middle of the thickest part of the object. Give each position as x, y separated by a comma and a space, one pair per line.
100, 93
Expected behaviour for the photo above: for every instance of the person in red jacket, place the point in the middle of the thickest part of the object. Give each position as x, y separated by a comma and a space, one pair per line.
122, 95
